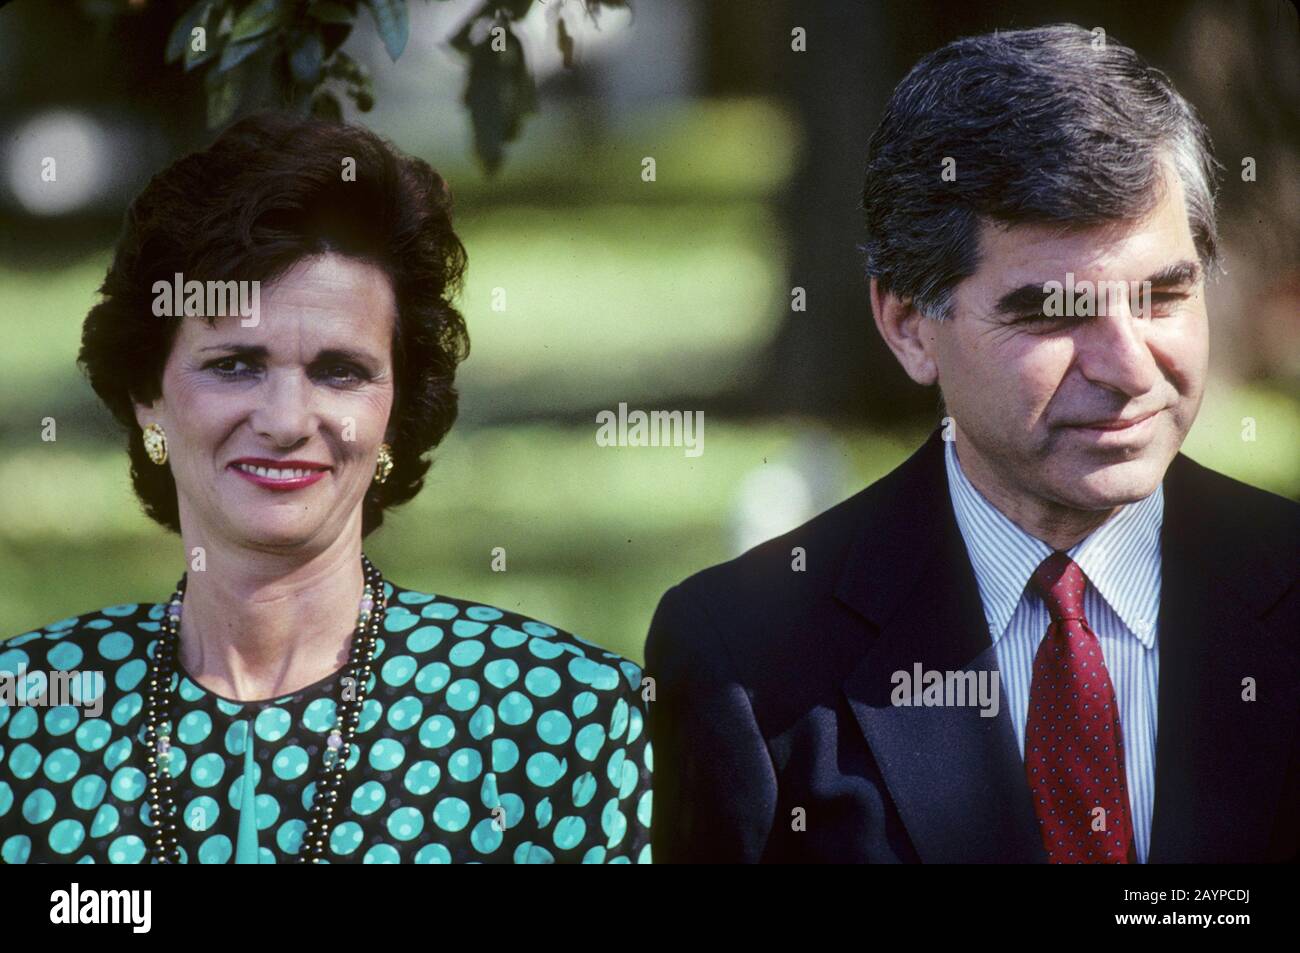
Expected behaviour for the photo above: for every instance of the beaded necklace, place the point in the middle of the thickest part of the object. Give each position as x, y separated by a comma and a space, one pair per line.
164, 845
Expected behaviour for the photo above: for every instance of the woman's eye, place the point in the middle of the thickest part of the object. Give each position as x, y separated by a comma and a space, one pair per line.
235, 367
344, 373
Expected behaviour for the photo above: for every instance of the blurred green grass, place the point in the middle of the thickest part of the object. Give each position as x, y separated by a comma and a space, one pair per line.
593, 536
616, 302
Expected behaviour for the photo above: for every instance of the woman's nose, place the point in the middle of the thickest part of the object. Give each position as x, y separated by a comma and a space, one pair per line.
284, 413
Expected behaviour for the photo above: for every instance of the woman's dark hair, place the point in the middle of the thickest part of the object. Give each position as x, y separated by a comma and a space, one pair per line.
272, 190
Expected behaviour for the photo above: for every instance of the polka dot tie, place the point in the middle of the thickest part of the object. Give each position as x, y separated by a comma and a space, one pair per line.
1074, 747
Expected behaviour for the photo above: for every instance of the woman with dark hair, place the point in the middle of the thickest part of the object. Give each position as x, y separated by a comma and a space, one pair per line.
277, 335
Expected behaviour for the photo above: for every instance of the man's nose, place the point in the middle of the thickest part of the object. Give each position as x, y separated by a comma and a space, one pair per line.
1113, 351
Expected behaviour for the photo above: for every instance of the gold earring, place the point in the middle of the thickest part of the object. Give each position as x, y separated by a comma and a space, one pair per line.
384, 463
155, 444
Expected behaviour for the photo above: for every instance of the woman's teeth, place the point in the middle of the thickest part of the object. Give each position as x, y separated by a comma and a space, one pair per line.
273, 474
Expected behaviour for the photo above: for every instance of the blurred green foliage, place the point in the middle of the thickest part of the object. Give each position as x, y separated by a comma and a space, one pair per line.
298, 43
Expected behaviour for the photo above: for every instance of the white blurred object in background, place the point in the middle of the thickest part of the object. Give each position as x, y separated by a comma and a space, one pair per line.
80, 153
787, 491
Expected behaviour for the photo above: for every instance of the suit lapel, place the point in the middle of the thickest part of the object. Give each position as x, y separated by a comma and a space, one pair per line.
1220, 760
957, 778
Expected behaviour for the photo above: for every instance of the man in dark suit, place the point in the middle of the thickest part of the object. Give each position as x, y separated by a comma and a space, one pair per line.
1048, 636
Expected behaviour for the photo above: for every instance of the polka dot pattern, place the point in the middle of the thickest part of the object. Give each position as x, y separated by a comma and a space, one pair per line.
1074, 747
488, 737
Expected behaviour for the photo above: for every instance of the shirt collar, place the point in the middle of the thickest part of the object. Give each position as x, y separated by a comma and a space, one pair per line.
1121, 558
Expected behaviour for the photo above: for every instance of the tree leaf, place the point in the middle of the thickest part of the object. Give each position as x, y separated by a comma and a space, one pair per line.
223, 96
345, 67
460, 40
178, 41
362, 95
333, 35
499, 93
212, 46
325, 105
307, 59
514, 9
259, 19
329, 11
193, 59
394, 26
232, 54
565, 42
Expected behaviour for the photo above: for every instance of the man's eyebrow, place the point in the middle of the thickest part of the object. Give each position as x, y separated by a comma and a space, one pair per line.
259, 351
1179, 273
345, 354
1028, 299
253, 350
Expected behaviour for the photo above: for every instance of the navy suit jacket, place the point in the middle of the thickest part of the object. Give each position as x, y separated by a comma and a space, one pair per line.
772, 689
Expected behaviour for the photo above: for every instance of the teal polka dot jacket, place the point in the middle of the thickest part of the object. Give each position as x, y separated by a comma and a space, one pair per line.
485, 737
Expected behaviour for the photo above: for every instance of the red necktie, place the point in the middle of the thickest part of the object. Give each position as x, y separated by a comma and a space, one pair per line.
1074, 748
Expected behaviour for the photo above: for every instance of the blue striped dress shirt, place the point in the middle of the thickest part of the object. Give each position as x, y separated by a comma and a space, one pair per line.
1121, 559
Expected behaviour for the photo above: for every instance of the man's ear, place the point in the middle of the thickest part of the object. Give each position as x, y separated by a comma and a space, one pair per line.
909, 333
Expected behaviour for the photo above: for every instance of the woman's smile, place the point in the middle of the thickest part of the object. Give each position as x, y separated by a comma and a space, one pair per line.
282, 475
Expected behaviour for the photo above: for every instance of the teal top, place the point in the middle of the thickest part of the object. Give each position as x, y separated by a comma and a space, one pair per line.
486, 736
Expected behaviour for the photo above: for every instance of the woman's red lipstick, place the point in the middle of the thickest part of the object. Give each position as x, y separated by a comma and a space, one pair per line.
282, 475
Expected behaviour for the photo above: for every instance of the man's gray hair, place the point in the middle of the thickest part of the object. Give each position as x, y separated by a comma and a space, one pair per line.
1047, 125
